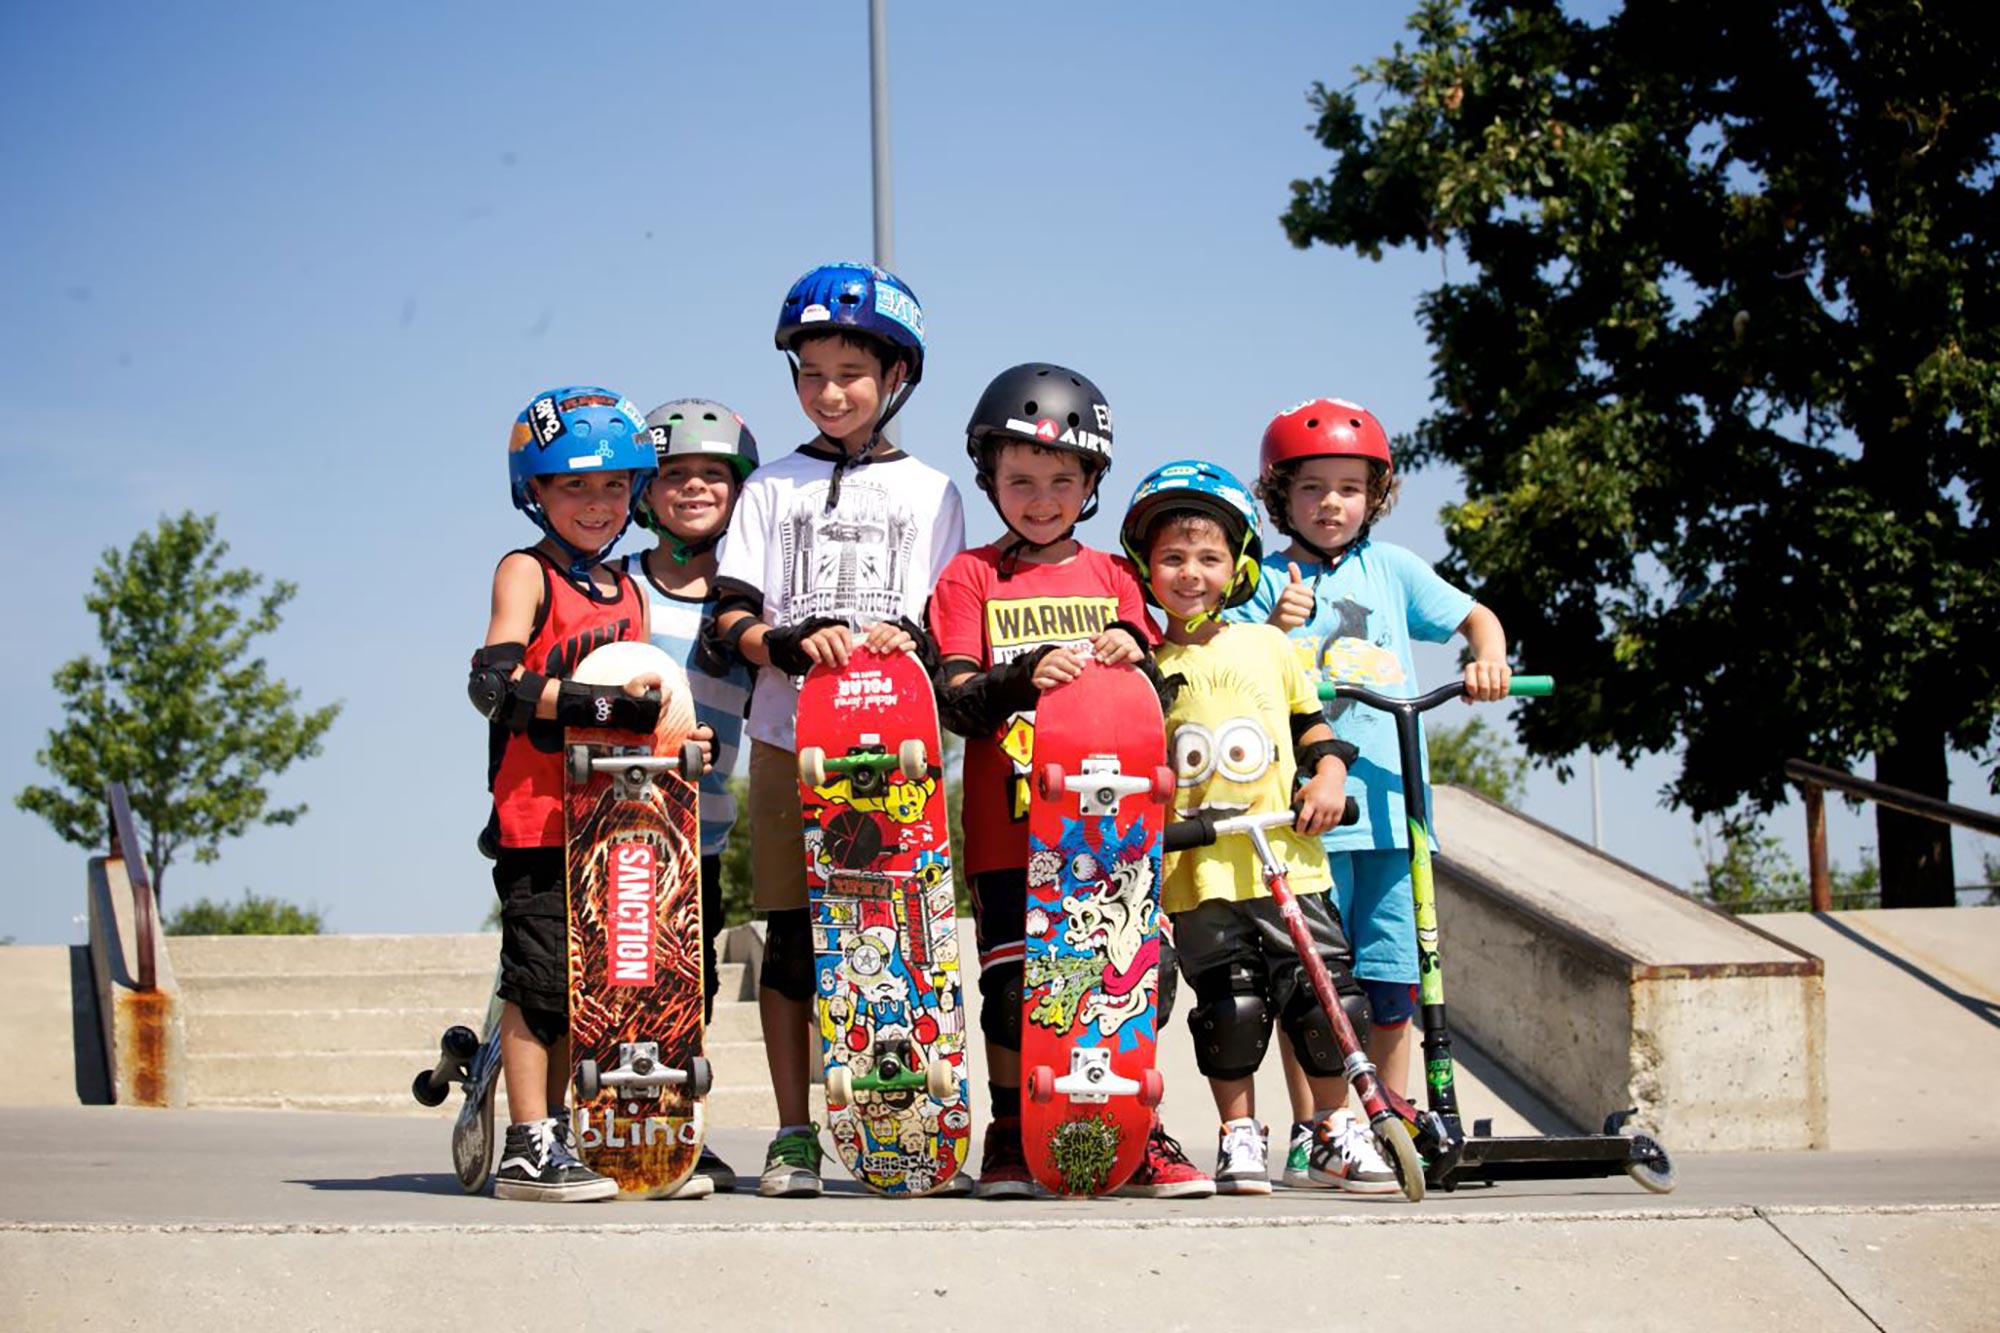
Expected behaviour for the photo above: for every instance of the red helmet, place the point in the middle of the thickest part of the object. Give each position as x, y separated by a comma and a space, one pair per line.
1324, 428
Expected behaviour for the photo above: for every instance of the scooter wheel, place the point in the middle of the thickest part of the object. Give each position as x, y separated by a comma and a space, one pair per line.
912, 760
812, 766
839, 1086
1401, 1151
1049, 781
940, 1081
1041, 1084
587, 1085
1152, 1087
1656, 1173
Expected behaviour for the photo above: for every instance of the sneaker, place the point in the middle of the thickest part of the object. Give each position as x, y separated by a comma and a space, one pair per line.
1298, 1158
715, 1171
791, 1166
538, 1165
1165, 1172
1346, 1156
1003, 1171
1243, 1160
957, 1187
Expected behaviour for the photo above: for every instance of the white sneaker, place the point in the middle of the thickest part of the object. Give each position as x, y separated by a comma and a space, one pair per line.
1345, 1155
1298, 1160
1243, 1161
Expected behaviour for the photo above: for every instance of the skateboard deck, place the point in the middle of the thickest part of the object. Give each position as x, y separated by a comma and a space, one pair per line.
879, 883
471, 1060
1102, 798
632, 827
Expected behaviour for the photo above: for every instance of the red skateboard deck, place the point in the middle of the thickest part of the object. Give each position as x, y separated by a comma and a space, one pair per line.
635, 965
878, 874
1102, 798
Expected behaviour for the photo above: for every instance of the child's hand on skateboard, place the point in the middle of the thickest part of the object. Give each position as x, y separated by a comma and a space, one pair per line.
1322, 800
704, 736
830, 646
1486, 681
889, 637
1117, 647
1295, 603
1058, 666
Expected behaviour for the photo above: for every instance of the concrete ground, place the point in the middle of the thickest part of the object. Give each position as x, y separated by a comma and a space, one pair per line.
172, 1220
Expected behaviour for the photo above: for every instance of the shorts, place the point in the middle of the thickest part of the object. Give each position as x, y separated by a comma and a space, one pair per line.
1393, 1003
534, 928
1000, 916
776, 829
711, 926
1250, 934
1373, 892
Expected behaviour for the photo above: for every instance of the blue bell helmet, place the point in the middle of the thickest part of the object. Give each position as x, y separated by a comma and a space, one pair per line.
579, 428
1203, 488
860, 298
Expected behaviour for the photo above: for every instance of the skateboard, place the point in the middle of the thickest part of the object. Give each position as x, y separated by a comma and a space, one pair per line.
1102, 797
471, 1060
632, 830
879, 884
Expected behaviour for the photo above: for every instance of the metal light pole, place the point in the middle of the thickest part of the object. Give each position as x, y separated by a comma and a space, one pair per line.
878, 135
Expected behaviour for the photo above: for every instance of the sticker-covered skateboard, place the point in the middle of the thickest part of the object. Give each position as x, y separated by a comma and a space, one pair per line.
631, 821
878, 875
472, 1061
1102, 798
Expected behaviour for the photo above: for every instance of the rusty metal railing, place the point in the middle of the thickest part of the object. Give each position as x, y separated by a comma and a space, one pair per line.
127, 849
1813, 780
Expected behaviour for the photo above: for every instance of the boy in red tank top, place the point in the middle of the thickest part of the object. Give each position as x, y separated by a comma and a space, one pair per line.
578, 459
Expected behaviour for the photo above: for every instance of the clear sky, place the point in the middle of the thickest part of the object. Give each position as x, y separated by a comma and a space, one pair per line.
300, 267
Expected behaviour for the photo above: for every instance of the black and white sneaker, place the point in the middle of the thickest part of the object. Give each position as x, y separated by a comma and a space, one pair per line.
538, 1165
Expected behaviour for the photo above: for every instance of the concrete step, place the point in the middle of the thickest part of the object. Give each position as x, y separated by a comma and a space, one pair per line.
198, 955
249, 1032
465, 990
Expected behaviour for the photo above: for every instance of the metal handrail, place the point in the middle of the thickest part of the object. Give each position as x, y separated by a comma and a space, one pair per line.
124, 836
1814, 779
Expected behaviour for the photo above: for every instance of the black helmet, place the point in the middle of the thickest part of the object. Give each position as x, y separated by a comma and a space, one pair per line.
1037, 403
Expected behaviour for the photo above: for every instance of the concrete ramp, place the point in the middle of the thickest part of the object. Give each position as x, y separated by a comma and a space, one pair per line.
1600, 988
50, 1045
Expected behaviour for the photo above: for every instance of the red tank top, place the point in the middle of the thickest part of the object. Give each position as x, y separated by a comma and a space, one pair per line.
527, 781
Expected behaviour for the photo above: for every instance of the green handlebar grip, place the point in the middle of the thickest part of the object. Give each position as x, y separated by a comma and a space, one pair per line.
1532, 686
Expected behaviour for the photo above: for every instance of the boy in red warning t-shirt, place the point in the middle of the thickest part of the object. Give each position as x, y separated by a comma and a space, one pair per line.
1013, 619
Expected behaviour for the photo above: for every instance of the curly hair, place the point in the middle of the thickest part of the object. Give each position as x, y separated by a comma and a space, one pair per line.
1274, 492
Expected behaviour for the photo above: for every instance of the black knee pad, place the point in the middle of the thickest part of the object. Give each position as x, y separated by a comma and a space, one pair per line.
1231, 1023
547, 1026
1311, 1032
1000, 1004
788, 955
1170, 982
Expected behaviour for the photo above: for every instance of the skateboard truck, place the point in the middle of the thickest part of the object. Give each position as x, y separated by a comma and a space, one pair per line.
1102, 784
1092, 1081
633, 771
640, 1071
867, 764
895, 1070
455, 1054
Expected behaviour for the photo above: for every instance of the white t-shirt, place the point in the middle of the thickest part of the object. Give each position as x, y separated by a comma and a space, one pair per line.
876, 555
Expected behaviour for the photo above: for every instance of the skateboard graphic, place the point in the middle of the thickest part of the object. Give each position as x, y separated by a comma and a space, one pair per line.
878, 875
632, 831
471, 1060
1102, 798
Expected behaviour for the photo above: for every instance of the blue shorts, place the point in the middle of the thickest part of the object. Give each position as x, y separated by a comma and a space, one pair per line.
1372, 890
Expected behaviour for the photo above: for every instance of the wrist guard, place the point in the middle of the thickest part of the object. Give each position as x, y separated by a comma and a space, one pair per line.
580, 705
1310, 755
926, 650
782, 645
500, 698
980, 704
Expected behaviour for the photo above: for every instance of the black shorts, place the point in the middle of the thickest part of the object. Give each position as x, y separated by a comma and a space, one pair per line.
1000, 915
534, 928
1251, 935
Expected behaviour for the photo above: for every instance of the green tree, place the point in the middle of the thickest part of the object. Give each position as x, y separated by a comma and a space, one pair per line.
177, 710
1745, 869
254, 915
736, 880
1716, 355
1477, 757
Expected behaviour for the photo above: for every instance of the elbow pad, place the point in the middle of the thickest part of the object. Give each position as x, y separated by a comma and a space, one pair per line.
500, 698
980, 704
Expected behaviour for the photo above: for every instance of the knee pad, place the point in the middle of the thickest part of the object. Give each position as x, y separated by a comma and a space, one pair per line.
1169, 985
547, 1026
1311, 1032
1000, 1004
1231, 1023
788, 955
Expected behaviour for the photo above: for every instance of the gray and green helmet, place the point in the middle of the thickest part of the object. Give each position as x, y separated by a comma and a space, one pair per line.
689, 427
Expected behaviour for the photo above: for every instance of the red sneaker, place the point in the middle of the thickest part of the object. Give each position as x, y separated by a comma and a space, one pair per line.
1003, 1171
1166, 1173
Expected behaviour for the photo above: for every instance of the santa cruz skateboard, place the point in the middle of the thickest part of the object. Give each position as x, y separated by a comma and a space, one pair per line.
472, 1061
635, 964
878, 872
1101, 801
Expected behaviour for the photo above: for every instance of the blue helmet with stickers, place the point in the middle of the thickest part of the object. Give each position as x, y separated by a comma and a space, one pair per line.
578, 428
856, 298
1192, 486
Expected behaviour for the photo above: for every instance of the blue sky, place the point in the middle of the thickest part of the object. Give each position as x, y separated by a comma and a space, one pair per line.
301, 269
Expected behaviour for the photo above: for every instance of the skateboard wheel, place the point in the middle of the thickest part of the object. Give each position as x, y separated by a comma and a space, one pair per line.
701, 1077
1049, 781
691, 765
587, 1085
428, 1093
910, 757
812, 766
576, 759
839, 1086
1164, 784
940, 1081
1041, 1084
460, 1042
1152, 1087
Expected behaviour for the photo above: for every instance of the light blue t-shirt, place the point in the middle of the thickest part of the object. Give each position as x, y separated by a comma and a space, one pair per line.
720, 701
1366, 612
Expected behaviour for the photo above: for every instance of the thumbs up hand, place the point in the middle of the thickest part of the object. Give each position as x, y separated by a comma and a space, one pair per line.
1295, 603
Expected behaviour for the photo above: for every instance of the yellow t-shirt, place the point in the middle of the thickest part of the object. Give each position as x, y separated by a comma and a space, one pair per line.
1229, 737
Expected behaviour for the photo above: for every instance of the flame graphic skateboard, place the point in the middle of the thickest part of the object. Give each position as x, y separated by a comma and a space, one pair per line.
878, 876
1101, 801
632, 827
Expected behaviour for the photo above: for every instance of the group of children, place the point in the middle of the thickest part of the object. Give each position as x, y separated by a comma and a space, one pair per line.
763, 571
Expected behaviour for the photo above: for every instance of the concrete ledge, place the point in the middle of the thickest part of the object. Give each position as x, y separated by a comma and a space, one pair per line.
145, 1038
1602, 988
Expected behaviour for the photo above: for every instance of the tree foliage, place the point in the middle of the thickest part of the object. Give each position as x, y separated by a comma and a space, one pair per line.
176, 709
1716, 354
1476, 757
254, 915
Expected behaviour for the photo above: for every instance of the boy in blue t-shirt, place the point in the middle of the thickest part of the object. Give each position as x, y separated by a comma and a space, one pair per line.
1352, 605
705, 453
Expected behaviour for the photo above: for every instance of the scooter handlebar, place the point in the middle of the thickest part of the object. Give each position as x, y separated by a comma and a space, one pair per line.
1531, 687
1201, 829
